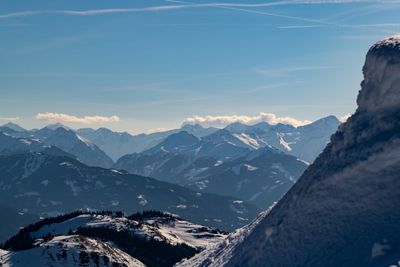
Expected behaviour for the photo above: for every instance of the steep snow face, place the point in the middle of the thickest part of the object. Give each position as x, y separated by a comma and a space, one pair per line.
344, 210
70, 251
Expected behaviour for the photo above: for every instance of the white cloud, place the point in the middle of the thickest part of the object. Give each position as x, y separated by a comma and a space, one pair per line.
222, 121
65, 118
9, 118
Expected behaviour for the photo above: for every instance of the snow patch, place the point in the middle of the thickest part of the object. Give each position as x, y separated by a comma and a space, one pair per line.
251, 142
142, 200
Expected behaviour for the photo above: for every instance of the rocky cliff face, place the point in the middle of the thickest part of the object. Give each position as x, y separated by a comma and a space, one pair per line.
344, 210
380, 88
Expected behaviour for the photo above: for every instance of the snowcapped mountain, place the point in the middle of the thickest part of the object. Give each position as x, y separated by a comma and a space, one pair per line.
344, 210
222, 163
170, 237
13, 145
57, 125
175, 143
223, 145
60, 136
304, 142
260, 177
182, 152
198, 130
71, 142
46, 185
117, 144
179, 154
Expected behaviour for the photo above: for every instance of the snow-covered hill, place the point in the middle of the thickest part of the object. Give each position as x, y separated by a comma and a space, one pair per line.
150, 238
69, 251
344, 210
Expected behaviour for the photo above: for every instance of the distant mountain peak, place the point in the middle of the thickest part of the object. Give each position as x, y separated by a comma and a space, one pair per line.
325, 120
330, 118
14, 126
198, 130
262, 125
237, 127
192, 126
57, 125
180, 138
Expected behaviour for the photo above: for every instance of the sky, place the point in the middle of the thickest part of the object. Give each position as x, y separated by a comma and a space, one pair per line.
144, 65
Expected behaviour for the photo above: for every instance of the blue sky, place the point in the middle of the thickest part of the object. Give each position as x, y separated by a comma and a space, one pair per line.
153, 64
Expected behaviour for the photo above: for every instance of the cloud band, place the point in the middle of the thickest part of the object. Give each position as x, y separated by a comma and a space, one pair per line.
222, 121
66, 118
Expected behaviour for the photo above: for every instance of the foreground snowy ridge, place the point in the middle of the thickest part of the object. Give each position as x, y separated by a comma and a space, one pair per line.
73, 250
150, 238
344, 209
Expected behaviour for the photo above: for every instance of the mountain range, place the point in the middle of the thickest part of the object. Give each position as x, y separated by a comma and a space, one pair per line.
118, 144
55, 136
256, 163
304, 142
219, 163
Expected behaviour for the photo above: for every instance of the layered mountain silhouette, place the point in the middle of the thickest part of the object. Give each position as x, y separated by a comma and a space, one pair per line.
117, 144
47, 185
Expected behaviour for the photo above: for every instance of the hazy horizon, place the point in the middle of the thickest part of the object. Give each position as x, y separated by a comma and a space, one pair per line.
218, 124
